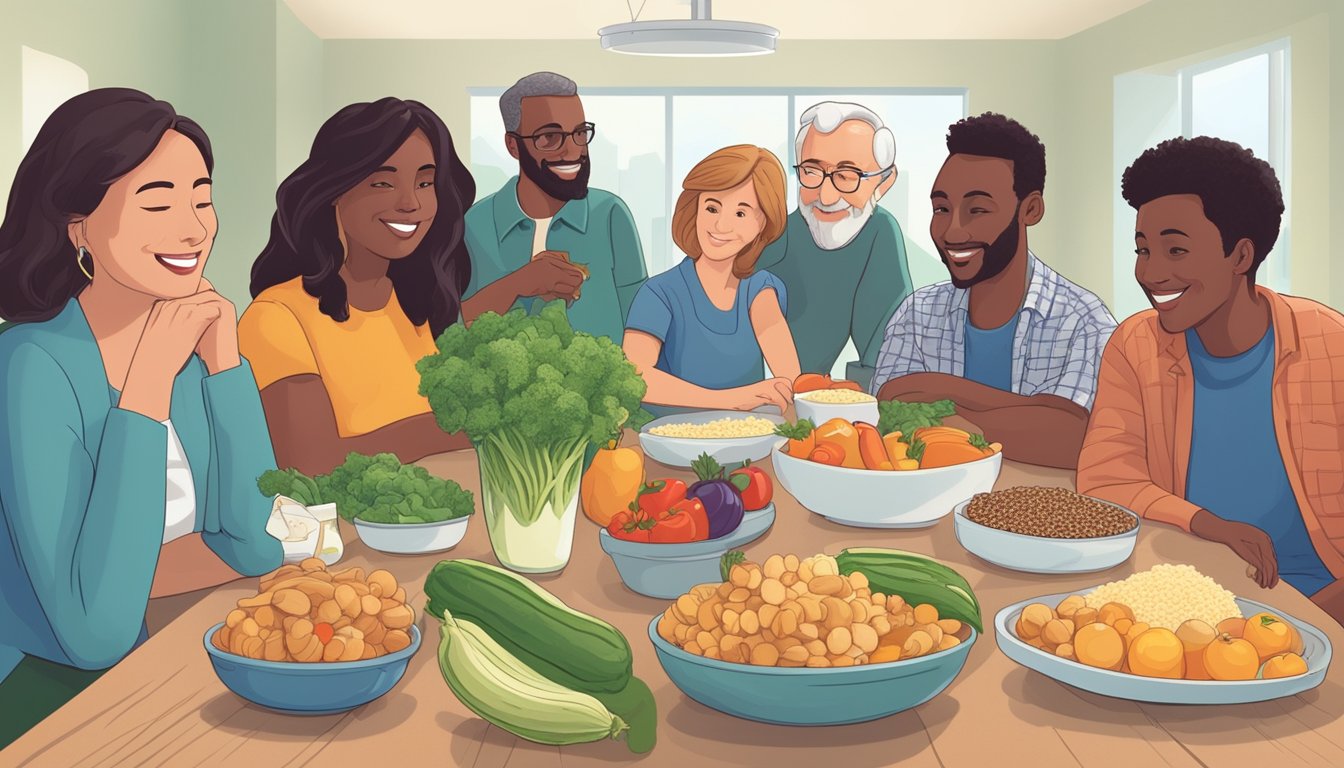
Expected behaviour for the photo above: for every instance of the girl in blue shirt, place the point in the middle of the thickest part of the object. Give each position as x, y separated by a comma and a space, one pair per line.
701, 332
131, 431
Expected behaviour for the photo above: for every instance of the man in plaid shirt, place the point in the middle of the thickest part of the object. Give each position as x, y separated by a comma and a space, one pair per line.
1010, 341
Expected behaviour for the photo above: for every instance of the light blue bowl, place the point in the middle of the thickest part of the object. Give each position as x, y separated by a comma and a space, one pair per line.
810, 696
670, 570
318, 688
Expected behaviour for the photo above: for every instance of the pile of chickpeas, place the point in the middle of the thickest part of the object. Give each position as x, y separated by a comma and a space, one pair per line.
788, 612
306, 614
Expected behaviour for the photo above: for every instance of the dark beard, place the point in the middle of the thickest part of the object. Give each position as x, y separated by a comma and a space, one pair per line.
998, 255
546, 180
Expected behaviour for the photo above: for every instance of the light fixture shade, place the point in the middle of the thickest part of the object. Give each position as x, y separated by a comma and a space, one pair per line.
690, 37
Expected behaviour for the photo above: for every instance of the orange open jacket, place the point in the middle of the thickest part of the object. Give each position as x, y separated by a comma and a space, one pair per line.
1137, 448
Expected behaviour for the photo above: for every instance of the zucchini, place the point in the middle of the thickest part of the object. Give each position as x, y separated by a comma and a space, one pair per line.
917, 579
570, 648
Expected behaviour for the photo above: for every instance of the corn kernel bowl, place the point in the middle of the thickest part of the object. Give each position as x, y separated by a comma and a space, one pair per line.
810, 696
316, 688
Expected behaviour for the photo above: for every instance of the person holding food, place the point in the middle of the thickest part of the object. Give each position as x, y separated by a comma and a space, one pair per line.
701, 332
1219, 410
546, 234
364, 269
1009, 340
131, 434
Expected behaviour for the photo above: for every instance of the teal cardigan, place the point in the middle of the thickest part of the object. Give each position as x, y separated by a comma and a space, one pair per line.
83, 487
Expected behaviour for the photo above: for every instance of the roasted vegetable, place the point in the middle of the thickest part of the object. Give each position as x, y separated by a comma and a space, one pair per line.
800, 435
871, 449
722, 497
842, 434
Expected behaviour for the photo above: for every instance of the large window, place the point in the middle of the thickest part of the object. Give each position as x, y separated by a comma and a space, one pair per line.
648, 140
1241, 98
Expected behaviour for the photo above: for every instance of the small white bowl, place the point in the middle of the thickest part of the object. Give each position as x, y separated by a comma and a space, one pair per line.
820, 413
872, 498
412, 538
681, 451
1041, 554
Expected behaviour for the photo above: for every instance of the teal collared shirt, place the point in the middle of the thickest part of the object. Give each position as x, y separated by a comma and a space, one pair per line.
83, 489
596, 230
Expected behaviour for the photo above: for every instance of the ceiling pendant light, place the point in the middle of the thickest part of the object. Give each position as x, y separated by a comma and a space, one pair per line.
700, 35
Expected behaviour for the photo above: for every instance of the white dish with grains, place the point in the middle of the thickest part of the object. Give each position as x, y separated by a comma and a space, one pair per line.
1046, 530
822, 405
729, 437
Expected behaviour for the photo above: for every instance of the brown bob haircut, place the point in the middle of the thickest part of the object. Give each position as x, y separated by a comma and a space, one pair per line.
724, 170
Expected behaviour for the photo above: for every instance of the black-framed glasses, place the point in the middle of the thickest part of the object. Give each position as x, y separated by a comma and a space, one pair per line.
844, 180
552, 141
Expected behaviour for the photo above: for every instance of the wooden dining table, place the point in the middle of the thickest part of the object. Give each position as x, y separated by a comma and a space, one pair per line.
164, 706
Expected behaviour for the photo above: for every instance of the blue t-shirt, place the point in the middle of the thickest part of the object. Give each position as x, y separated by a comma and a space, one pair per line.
702, 344
989, 354
1236, 471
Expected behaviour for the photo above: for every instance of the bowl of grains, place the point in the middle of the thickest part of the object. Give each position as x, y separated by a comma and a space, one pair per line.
821, 405
729, 437
1046, 530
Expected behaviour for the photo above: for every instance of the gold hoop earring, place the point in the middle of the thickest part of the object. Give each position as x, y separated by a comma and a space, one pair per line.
79, 261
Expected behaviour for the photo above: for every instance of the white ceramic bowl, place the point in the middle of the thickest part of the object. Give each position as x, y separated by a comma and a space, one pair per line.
1316, 652
681, 451
869, 498
1040, 554
820, 413
412, 538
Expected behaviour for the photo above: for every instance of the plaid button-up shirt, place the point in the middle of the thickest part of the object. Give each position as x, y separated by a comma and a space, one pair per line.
1061, 332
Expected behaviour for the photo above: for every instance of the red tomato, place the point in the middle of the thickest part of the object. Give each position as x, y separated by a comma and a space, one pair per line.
695, 510
629, 527
676, 528
657, 497
759, 489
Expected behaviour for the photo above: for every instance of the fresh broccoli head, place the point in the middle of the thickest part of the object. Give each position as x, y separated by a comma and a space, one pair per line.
290, 483
380, 489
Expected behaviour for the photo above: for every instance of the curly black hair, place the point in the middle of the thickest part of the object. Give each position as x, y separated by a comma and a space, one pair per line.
993, 135
1240, 192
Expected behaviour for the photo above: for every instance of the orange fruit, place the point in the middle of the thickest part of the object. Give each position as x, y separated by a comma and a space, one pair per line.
1157, 652
1234, 627
1269, 634
1284, 665
1098, 645
1231, 658
1195, 636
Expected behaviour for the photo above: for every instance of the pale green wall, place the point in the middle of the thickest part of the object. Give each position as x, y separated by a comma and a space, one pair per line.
215, 62
1176, 33
1004, 76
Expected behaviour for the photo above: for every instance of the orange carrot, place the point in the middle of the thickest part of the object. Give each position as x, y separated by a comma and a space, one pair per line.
946, 454
872, 450
828, 453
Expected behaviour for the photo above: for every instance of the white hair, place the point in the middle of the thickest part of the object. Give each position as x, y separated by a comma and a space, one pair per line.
828, 115
535, 84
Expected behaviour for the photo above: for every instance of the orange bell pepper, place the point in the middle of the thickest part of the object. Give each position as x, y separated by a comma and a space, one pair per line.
611, 483
841, 433
896, 449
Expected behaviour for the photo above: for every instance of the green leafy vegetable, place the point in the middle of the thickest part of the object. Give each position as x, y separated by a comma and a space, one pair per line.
706, 468
979, 441
797, 430
290, 483
380, 489
730, 559
898, 416
532, 394
916, 451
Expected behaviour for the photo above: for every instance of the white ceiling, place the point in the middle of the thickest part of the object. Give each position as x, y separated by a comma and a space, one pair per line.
795, 19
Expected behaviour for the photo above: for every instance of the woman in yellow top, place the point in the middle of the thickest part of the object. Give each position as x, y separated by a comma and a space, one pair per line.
364, 269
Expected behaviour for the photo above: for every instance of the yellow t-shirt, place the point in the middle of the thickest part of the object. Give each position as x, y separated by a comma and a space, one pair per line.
366, 363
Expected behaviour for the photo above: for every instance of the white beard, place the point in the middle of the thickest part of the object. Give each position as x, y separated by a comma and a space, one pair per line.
833, 235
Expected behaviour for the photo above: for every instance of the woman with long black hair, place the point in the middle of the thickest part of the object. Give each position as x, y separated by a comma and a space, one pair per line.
131, 434
364, 269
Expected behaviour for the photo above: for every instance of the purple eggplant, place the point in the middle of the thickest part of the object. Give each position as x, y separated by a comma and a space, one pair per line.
721, 496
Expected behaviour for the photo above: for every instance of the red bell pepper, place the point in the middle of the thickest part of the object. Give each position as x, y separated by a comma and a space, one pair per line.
657, 497
677, 527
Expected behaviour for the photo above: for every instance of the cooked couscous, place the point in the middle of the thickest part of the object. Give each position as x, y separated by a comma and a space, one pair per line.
1166, 595
836, 396
749, 426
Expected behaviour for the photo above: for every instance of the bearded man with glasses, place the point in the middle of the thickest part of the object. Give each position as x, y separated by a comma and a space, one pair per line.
546, 234
841, 258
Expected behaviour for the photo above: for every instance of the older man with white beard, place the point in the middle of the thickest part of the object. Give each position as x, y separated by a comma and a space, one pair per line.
842, 258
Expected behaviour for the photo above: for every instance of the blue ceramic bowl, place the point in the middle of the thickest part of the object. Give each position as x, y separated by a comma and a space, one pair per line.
319, 688
670, 570
808, 696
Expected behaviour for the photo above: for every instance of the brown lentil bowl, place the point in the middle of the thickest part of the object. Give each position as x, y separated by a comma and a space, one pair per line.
1051, 513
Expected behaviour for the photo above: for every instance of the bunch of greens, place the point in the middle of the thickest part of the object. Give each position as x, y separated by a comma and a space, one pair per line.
380, 489
897, 416
290, 483
532, 394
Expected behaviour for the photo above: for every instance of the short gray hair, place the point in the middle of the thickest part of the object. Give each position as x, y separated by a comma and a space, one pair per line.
828, 115
535, 84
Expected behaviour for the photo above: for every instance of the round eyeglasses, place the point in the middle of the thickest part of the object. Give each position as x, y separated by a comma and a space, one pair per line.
845, 180
552, 141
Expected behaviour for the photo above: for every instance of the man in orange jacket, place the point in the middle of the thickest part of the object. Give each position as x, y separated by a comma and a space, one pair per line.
1221, 410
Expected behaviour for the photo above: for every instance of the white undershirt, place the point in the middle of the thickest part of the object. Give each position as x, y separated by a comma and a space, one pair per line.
179, 514
540, 228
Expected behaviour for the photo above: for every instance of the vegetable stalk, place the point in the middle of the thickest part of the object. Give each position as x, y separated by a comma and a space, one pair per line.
525, 476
